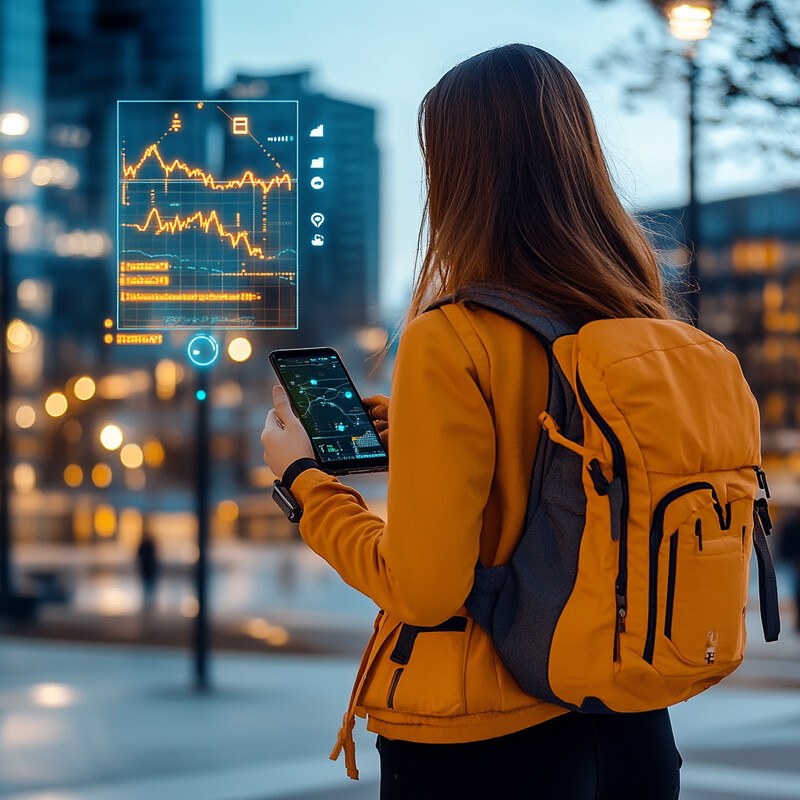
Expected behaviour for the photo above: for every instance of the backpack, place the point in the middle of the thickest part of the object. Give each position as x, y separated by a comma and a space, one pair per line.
628, 589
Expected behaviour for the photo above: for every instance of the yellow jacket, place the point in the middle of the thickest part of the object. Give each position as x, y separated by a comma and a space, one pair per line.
467, 389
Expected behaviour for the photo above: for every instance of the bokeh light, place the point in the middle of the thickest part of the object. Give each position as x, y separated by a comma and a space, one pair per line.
84, 388
131, 456
56, 404
24, 477
111, 437
240, 349
73, 475
25, 416
101, 475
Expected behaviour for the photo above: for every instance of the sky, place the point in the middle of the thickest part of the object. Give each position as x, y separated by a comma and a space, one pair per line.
388, 54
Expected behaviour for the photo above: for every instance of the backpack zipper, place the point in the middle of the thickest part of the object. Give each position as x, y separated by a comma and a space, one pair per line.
620, 471
656, 535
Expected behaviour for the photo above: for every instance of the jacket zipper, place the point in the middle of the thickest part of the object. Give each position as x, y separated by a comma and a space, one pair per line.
393, 687
656, 534
620, 471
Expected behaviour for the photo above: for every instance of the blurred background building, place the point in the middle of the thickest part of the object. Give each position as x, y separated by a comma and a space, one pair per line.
749, 266
63, 66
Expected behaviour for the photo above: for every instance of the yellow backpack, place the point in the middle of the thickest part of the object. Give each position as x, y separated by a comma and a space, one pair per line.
628, 589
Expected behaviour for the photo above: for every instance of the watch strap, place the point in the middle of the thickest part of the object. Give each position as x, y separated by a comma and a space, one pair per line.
295, 468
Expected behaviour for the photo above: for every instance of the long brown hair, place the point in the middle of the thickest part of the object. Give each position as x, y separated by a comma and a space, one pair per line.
519, 194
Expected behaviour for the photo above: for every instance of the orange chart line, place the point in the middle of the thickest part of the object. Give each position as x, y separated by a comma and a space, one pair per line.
209, 180
178, 224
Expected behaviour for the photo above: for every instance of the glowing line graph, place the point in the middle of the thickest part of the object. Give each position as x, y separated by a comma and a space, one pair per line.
130, 172
177, 224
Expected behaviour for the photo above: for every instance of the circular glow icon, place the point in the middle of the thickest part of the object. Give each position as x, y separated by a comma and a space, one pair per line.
203, 350
317, 219
317, 182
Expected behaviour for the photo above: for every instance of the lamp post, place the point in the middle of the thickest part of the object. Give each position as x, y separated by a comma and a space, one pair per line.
12, 124
690, 22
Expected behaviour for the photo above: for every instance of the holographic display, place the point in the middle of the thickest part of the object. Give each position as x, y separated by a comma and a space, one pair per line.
207, 214
329, 407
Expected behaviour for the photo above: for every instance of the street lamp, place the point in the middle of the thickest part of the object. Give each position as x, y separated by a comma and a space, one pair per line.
690, 22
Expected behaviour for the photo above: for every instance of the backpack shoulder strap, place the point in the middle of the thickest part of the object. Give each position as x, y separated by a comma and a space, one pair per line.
521, 308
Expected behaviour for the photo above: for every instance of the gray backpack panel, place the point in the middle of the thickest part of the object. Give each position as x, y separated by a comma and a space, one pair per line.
519, 603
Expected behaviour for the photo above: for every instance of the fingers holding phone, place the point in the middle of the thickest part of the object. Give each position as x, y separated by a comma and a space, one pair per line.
377, 407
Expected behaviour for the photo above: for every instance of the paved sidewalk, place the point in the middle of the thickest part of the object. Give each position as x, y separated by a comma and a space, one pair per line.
99, 722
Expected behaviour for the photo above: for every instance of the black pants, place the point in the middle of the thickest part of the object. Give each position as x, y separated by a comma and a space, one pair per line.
572, 757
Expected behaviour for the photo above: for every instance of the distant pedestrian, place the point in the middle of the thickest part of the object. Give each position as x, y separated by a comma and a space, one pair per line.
790, 553
147, 561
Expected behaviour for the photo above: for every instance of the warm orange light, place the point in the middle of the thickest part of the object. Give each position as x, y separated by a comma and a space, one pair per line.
690, 21
56, 404
73, 475
166, 378
105, 520
15, 165
131, 456
108, 338
153, 453
84, 388
25, 416
109, 323
101, 476
240, 349
24, 478
228, 511
111, 437
19, 336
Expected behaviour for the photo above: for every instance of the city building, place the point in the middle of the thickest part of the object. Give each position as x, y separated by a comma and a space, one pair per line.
749, 265
338, 278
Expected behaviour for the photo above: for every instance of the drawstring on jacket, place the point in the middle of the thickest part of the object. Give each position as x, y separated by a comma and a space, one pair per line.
345, 738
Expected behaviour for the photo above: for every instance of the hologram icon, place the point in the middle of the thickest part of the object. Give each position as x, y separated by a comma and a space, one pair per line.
317, 219
318, 240
319, 131
241, 126
317, 182
317, 163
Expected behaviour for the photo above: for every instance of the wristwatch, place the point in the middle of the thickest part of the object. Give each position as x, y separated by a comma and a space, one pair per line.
281, 493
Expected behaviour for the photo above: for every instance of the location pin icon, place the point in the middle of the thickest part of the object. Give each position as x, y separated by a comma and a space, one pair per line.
317, 219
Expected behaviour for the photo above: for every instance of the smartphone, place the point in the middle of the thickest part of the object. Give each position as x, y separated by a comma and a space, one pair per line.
324, 398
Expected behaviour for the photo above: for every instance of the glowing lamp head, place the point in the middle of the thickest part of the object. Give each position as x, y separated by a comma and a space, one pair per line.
690, 21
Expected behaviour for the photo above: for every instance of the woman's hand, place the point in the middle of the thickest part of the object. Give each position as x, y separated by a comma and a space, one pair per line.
284, 437
379, 411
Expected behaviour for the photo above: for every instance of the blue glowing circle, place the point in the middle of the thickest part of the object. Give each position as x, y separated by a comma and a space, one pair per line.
201, 395
340, 426
203, 350
348, 395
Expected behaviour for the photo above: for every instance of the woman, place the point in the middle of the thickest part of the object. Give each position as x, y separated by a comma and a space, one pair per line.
519, 196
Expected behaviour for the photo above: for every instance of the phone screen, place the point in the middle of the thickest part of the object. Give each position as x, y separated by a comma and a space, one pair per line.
330, 408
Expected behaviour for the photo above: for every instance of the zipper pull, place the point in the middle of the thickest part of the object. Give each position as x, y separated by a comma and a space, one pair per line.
622, 612
762, 480
601, 483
